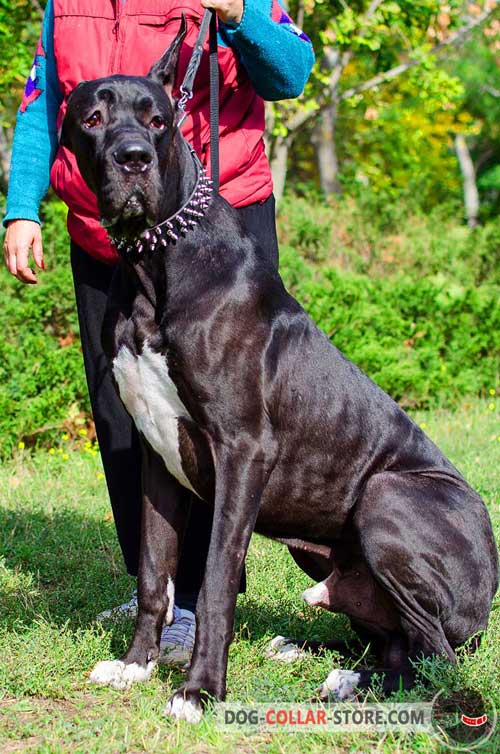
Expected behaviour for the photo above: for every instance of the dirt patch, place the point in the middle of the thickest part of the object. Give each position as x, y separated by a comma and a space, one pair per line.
12, 747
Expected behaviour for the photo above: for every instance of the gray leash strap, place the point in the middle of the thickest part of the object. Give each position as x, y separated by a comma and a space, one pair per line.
208, 27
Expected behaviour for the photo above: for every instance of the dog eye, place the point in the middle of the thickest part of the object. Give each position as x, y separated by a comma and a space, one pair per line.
94, 120
157, 123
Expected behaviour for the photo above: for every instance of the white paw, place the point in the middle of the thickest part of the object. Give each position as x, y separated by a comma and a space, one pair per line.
340, 684
284, 650
316, 595
184, 709
118, 675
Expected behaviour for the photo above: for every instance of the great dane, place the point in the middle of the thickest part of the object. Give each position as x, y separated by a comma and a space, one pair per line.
241, 400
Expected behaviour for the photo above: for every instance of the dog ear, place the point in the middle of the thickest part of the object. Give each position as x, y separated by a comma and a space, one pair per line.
67, 128
165, 69
64, 136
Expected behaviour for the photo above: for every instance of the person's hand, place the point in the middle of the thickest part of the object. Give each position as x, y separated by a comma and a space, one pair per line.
229, 11
21, 236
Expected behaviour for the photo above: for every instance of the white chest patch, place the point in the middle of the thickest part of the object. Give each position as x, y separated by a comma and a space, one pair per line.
151, 398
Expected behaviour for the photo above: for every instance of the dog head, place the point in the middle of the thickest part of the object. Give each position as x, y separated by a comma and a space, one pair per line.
121, 130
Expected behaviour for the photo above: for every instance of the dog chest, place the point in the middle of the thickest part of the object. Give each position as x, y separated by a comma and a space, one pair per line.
151, 398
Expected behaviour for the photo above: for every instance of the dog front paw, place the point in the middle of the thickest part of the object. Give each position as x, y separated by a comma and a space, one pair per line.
185, 705
118, 675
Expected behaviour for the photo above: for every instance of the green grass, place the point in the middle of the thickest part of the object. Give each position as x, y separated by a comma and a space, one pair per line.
61, 565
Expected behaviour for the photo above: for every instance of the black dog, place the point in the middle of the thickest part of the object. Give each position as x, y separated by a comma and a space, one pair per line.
241, 399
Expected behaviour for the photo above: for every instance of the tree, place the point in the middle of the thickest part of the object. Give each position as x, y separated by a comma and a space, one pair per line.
363, 46
477, 67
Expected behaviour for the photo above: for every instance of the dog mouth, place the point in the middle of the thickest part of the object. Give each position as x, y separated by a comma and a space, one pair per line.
133, 214
135, 206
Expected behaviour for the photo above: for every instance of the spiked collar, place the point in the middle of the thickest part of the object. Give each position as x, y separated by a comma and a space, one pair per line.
168, 231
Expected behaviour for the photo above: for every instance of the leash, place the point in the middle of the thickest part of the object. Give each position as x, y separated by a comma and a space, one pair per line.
208, 26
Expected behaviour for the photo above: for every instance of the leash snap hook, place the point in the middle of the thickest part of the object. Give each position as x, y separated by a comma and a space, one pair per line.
186, 95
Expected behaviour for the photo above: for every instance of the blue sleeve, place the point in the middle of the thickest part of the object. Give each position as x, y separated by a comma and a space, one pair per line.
277, 56
35, 134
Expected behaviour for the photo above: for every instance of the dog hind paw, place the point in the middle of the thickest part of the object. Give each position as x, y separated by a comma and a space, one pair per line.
284, 650
119, 675
340, 685
184, 708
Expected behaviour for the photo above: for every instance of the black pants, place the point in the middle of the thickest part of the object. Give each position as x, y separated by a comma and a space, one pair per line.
116, 433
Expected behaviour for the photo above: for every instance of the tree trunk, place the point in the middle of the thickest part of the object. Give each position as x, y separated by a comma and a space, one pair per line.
326, 153
269, 128
279, 165
471, 195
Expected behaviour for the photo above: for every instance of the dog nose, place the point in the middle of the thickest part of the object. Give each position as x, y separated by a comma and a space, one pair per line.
134, 157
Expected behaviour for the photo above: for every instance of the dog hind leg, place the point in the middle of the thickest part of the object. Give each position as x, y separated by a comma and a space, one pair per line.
412, 549
397, 672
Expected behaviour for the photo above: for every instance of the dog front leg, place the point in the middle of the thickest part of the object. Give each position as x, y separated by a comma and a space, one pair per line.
165, 511
238, 491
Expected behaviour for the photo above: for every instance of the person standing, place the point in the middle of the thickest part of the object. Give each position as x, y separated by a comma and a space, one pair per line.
262, 56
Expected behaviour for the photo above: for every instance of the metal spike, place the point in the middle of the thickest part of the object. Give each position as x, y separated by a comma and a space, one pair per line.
163, 242
173, 235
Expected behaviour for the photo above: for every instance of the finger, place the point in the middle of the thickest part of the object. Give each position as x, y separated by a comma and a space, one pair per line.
24, 273
10, 259
38, 252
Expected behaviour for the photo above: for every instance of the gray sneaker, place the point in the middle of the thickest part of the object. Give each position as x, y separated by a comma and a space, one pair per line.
177, 640
127, 610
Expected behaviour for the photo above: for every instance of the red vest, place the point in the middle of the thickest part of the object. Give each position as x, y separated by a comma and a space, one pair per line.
95, 38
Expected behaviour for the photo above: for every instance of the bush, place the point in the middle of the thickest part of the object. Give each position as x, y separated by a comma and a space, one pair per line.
42, 382
424, 341
381, 239
412, 299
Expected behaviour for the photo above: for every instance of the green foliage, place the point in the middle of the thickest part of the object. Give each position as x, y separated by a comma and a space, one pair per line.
424, 341
400, 143
371, 236
20, 22
42, 385
411, 298
397, 137
416, 309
